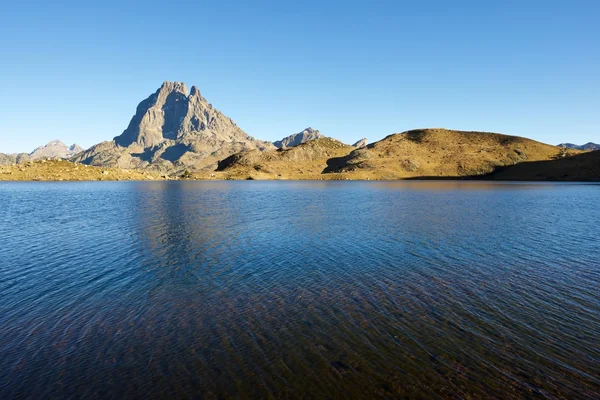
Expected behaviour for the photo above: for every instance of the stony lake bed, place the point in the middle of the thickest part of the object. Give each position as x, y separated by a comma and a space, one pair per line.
299, 290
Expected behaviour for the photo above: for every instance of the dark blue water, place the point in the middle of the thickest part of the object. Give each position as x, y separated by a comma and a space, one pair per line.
299, 290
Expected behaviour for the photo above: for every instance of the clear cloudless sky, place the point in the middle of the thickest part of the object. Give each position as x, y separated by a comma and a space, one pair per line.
76, 71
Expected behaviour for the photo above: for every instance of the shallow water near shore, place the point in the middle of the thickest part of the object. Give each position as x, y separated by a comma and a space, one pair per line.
299, 290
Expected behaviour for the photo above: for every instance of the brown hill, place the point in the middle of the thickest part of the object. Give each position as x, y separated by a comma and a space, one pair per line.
422, 153
305, 161
439, 153
580, 167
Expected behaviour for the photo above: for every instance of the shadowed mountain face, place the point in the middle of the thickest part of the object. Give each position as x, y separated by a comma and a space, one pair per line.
580, 167
172, 129
298, 138
586, 147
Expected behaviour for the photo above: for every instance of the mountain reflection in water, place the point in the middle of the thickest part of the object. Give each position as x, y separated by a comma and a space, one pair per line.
299, 290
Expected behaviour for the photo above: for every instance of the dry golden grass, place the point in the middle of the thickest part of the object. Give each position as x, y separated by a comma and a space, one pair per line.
423, 153
60, 170
440, 153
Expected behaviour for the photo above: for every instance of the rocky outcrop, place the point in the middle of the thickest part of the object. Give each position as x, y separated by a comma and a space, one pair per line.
306, 160
586, 147
361, 143
172, 129
55, 149
10, 159
7, 159
298, 138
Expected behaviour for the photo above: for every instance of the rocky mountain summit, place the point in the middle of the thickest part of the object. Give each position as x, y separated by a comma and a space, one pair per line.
173, 129
361, 143
298, 138
586, 147
55, 149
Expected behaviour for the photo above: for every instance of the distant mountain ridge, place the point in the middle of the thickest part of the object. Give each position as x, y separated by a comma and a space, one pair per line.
586, 147
173, 129
14, 158
54, 149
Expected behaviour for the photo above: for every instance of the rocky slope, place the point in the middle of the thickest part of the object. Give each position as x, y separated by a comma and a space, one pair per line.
305, 161
173, 130
298, 138
55, 149
10, 159
587, 147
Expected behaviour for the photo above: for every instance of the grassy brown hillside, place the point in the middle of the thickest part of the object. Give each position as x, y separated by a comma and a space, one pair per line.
581, 167
422, 153
305, 161
59, 170
440, 153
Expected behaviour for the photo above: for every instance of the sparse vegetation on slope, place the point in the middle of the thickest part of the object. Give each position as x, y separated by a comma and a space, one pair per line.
305, 161
424, 153
439, 153
60, 170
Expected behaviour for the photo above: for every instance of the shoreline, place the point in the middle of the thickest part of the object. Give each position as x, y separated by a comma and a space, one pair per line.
66, 171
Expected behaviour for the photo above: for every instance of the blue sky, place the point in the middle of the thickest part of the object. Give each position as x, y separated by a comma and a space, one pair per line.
76, 72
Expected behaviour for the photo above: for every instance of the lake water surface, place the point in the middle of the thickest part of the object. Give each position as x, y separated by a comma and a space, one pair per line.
299, 290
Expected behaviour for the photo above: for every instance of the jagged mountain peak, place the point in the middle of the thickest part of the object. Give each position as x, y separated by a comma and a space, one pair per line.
173, 127
168, 86
298, 138
172, 114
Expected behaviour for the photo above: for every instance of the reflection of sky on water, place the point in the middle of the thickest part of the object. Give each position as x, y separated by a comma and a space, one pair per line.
299, 288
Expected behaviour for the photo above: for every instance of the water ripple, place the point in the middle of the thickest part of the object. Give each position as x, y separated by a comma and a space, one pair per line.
299, 290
